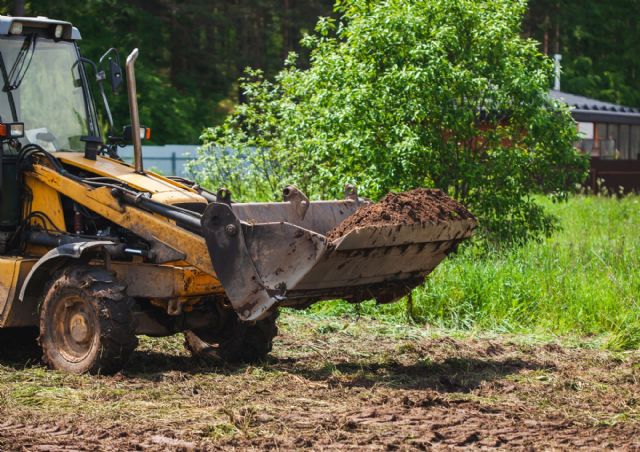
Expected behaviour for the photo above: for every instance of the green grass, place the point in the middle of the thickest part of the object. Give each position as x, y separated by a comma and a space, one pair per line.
584, 280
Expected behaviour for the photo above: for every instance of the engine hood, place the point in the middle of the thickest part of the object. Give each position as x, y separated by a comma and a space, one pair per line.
162, 189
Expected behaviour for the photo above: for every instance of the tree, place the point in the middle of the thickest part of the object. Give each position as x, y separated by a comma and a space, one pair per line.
18, 8
599, 42
406, 93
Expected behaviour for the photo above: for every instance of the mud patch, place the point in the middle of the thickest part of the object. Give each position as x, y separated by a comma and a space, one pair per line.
416, 206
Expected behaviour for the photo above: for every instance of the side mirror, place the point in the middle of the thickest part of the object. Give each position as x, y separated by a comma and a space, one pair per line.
99, 80
115, 75
115, 70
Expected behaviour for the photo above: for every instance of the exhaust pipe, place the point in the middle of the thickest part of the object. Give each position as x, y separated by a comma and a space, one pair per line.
133, 111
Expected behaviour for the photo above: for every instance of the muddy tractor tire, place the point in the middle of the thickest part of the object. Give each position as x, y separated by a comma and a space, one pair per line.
86, 322
237, 341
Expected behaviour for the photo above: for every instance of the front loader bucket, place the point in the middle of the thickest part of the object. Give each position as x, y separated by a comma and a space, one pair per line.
272, 253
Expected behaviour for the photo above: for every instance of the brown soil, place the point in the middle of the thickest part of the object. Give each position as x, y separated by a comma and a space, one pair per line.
336, 384
416, 206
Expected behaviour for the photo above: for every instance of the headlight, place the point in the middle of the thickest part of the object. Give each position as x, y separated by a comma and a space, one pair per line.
16, 130
145, 133
11, 130
16, 28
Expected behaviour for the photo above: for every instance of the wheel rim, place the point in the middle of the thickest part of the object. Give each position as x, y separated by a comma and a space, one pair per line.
75, 328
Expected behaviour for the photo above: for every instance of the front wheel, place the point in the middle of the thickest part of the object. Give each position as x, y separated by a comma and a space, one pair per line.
237, 342
86, 322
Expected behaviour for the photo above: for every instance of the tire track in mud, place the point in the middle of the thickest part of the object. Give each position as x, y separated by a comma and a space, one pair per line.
362, 392
57, 437
470, 424
46, 436
416, 422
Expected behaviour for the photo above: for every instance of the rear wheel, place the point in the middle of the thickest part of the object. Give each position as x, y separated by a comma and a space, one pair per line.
237, 341
86, 322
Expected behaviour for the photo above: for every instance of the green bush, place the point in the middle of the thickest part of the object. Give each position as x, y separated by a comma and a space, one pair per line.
405, 93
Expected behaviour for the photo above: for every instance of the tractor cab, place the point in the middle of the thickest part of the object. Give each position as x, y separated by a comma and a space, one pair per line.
44, 85
44, 100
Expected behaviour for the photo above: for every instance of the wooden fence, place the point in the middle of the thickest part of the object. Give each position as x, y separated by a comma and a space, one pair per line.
615, 175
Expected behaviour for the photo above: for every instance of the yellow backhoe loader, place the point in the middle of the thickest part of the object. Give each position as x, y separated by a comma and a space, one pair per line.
94, 251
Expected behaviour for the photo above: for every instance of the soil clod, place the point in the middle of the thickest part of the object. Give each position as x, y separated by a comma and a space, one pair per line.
421, 205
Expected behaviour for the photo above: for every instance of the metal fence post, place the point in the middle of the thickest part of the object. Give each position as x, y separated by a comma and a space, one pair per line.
173, 164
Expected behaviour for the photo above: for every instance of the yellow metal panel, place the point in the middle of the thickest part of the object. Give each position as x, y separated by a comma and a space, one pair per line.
35, 250
147, 225
44, 199
13, 271
7, 270
165, 281
167, 180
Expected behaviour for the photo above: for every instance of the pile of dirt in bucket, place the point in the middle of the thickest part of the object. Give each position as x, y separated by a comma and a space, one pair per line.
416, 206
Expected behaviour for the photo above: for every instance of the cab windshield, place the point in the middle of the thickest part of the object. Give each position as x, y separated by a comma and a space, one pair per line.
43, 87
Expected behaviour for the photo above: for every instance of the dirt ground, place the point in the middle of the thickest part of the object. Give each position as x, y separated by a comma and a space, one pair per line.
337, 384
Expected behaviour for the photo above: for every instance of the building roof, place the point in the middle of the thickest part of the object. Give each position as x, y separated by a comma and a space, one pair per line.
586, 103
587, 109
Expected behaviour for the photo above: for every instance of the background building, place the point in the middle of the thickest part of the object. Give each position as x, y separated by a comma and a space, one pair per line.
611, 136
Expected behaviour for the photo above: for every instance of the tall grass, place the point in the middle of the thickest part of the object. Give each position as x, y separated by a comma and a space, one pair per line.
584, 280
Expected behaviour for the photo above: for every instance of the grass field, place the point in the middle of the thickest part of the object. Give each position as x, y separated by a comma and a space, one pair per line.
584, 280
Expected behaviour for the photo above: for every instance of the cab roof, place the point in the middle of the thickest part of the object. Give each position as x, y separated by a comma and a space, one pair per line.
39, 23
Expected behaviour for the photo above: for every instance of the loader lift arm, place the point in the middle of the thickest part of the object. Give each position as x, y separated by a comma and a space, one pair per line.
157, 230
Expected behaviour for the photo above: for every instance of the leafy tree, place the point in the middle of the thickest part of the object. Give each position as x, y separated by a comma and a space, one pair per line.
406, 93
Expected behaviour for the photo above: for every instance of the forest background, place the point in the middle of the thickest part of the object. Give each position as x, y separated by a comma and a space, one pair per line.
193, 52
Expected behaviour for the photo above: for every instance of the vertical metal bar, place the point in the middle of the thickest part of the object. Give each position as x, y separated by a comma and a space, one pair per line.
557, 58
133, 111
173, 164
2, 170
